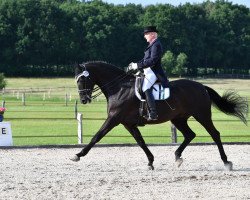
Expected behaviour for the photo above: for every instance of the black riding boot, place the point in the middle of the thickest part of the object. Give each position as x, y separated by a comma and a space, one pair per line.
151, 105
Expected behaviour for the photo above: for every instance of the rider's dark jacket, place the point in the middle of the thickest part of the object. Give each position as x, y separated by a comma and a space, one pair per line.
152, 59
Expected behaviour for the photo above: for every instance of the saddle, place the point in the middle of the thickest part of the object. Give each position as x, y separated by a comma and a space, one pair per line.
159, 93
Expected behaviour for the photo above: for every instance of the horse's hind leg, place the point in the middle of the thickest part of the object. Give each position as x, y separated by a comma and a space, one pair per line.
140, 141
189, 135
215, 134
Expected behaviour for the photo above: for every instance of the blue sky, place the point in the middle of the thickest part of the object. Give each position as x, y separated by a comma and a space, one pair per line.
173, 2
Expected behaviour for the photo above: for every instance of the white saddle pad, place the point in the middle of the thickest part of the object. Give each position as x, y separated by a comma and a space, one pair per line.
159, 92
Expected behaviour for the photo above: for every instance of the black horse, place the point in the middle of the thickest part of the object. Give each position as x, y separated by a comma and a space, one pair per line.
188, 98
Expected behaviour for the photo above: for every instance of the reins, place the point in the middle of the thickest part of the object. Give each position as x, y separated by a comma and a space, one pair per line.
109, 84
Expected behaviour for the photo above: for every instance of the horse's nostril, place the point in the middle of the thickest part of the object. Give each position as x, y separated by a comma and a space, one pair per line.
83, 101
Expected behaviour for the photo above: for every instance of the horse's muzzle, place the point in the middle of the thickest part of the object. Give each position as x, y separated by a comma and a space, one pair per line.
86, 100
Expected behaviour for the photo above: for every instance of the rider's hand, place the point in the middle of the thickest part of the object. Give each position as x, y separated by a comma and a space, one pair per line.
133, 66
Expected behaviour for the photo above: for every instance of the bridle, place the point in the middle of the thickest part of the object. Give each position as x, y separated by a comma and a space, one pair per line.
86, 91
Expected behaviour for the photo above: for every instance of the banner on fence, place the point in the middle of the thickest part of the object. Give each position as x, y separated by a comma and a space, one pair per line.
5, 134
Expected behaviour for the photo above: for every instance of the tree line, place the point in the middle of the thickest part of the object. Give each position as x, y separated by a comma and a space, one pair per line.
46, 37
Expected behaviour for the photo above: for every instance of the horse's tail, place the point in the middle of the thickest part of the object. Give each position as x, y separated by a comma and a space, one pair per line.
230, 103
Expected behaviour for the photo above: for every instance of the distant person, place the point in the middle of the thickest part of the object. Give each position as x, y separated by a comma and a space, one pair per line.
151, 65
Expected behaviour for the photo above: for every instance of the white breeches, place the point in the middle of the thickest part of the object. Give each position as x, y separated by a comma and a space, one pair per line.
149, 79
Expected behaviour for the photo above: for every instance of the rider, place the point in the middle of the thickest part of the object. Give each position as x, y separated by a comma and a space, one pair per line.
151, 65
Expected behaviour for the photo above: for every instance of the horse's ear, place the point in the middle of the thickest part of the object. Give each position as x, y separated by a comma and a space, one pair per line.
82, 65
77, 68
76, 65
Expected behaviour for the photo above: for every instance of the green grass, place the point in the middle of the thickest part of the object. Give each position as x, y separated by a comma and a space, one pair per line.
40, 83
50, 121
43, 125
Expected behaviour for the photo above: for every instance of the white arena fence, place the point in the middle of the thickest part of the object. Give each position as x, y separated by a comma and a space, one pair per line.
67, 97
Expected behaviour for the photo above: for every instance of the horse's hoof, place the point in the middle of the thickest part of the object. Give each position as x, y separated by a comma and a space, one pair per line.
178, 162
75, 158
229, 166
151, 167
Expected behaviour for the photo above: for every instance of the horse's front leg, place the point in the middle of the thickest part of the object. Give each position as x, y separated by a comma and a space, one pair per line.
106, 127
140, 141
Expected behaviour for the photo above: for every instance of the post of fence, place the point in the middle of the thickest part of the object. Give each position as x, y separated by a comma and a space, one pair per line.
66, 99
79, 121
49, 92
23, 99
70, 96
76, 109
174, 133
3, 103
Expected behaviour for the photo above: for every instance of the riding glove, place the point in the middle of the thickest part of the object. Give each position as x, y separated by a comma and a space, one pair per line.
133, 66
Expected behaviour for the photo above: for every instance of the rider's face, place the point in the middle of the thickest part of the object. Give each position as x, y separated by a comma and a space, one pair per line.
150, 36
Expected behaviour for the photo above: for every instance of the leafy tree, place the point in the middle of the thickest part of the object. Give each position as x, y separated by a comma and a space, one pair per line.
44, 37
3, 82
168, 62
228, 35
127, 38
181, 63
193, 34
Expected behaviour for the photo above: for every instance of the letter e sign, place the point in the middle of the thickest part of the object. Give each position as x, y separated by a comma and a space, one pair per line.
3, 131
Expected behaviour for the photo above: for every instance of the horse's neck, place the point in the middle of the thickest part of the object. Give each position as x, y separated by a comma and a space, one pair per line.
111, 85
108, 78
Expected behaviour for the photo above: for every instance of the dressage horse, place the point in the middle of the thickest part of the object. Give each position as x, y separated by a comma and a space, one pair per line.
188, 98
